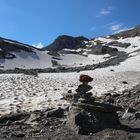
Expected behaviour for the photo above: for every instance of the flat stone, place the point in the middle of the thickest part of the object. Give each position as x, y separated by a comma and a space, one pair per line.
58, 113
99, 107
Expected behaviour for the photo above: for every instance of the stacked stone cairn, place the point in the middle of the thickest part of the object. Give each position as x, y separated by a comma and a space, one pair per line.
87, 116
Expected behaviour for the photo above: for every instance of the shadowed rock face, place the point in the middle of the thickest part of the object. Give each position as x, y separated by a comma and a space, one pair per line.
65, 41
119, 44
129, 33
8, 46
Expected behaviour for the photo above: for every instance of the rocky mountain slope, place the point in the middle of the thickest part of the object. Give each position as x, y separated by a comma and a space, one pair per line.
129, 33
66, 42
42, 105
71, 53
7, 46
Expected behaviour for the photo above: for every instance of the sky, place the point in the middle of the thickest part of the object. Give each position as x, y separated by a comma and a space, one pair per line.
42, 21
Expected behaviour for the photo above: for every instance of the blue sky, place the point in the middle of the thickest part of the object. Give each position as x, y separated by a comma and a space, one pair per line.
34, 21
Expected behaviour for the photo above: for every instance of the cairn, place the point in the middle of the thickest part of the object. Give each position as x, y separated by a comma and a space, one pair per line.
83, 90
87, 116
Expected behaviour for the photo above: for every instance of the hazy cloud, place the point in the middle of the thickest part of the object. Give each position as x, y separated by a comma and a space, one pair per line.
118, 27
39, 45
105, 12
122, 29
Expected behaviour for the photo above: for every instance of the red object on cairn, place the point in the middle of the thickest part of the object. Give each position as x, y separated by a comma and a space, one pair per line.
85, 78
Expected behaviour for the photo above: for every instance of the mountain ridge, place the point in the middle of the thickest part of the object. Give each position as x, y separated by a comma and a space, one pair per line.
66, 41
68, 52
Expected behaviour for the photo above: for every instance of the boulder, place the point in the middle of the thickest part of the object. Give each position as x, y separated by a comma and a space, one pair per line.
58, 113
99, 107
83, 88
13, 117
69, 91
137, 115
124, 82
88, 119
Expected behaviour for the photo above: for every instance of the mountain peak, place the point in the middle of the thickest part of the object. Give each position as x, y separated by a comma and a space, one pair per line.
65, 41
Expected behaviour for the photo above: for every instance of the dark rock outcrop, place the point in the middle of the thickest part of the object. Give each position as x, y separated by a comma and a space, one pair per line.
58, 113
92, 119
102, 49
14, 46
13, 117
6, 55
65, 41
119, 44
7, 47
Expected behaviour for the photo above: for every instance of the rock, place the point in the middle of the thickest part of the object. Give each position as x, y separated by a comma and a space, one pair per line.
86, 98
129, 114
34, 117
70, 91
31, 72
99, 107
88, 101
137, 115
124, 82
19, 135
13, 117
130, 110
128, 94
71, 97
83, 88
58, 113
65, 41
107, 49
119, 44
137, 91
85, 121
54, 63
108, 94
110, 100
116, 95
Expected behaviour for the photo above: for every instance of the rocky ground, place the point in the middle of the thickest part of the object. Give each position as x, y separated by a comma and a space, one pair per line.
52, 124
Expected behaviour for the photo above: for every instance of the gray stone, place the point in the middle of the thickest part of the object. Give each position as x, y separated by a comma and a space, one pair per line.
85, 121
83, 88
127, 115
58, 113
70, 91
137, 115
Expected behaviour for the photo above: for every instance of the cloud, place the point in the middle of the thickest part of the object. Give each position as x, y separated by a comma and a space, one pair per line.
39, 45
105, 12
122, 29
118, 27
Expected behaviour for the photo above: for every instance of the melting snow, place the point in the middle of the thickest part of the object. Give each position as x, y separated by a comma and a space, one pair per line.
45, 91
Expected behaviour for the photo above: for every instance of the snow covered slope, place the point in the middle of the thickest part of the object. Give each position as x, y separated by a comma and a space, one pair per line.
18, 55
26, 92
74, 52
41, 60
